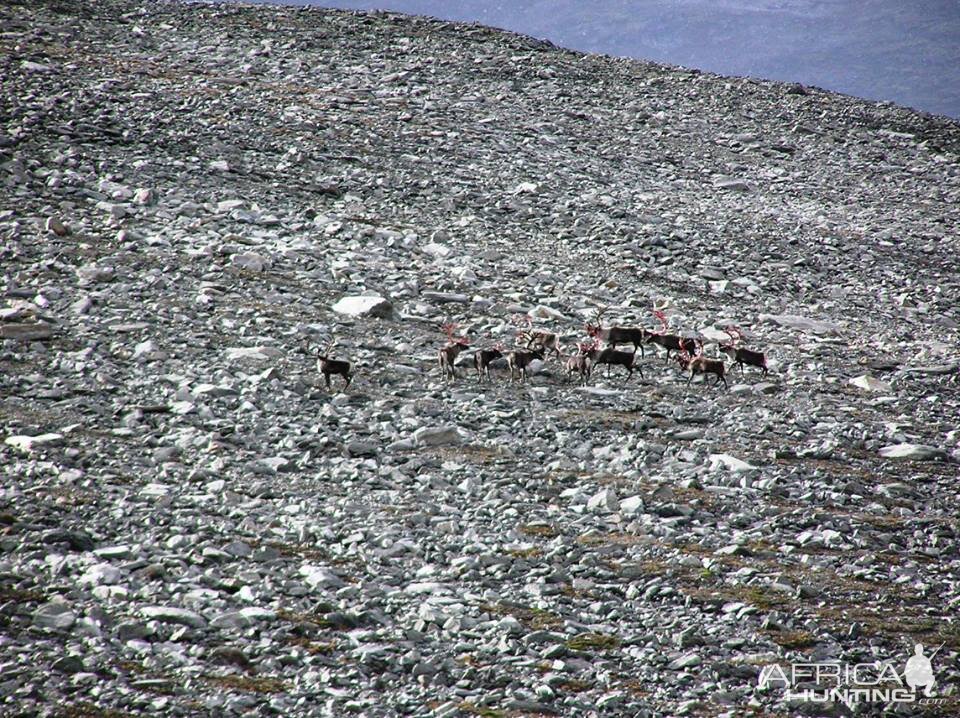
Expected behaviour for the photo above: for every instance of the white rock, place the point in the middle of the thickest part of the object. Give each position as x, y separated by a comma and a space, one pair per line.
918, 452
148, 351
364, 306
436, 250
730, 463
260, 353
631, 505
28, 444
603, 500
869, 383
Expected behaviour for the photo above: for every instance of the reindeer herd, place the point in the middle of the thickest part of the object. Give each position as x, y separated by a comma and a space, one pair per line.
600, 349
539, 345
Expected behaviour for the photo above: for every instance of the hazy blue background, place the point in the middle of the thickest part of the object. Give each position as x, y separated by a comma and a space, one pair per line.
906, 51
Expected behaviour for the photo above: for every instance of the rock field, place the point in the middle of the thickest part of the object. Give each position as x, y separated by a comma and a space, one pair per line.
196, 199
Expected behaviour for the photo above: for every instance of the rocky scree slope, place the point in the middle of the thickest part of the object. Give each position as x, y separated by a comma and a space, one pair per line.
192, 525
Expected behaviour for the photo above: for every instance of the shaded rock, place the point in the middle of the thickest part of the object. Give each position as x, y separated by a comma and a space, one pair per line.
35, 331
169, 614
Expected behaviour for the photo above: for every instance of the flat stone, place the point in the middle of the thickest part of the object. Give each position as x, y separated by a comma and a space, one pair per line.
260, 353
169, 614
26, 332
445, 298
917, 452
28, 444
801, 323
870, 383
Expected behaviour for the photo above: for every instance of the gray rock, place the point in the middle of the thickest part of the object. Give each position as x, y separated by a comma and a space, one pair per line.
56, 615
437, 436
169, 614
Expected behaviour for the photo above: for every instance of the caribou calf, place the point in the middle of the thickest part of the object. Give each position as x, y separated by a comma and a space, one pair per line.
482, 360
579, 364
519, 359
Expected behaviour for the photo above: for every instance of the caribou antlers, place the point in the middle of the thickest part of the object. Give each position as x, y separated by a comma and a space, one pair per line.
548, 341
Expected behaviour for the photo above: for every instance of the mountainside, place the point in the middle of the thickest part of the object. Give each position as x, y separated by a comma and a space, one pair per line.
195, 198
